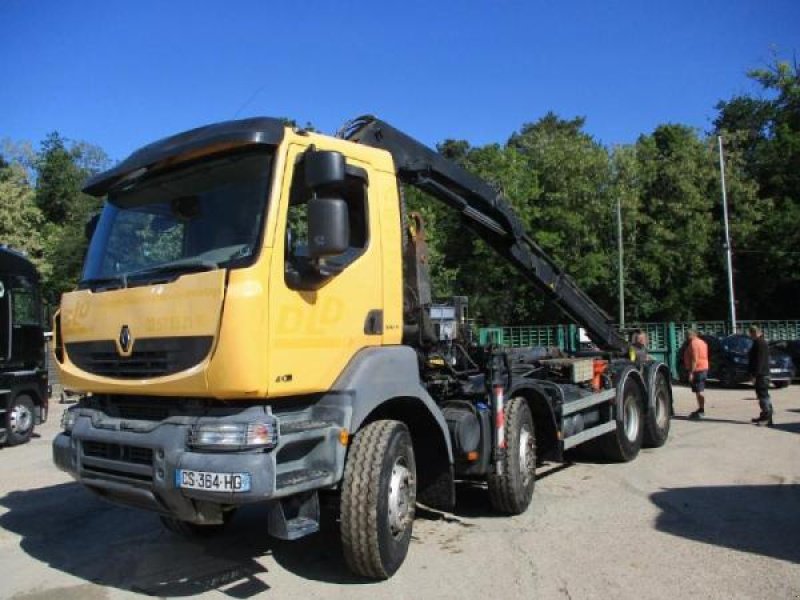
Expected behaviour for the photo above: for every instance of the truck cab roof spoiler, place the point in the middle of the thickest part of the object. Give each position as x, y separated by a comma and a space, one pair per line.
228, 134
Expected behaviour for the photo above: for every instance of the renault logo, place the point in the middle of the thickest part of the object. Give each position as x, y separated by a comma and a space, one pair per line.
125, 340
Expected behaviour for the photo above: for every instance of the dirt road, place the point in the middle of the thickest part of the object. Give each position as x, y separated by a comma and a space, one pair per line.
714, 514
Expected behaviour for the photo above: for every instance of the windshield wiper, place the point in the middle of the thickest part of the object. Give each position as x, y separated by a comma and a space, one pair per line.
96, 282
184, 266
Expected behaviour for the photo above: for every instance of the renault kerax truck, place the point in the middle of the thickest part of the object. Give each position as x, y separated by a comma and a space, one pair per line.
253, 324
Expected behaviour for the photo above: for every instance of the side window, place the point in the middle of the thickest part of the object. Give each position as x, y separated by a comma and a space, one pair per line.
353, 192
24, 302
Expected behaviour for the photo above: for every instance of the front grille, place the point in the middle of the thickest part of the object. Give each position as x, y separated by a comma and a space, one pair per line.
151, 357
130, 454
143, 412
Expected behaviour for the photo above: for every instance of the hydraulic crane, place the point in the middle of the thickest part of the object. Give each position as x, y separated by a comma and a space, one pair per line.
491, 217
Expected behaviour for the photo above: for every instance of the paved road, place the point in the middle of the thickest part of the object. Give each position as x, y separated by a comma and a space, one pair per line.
714, 514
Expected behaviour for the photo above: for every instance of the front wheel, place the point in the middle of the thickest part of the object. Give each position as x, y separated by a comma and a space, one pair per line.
781, 384
378, 500
511, 492
21, 418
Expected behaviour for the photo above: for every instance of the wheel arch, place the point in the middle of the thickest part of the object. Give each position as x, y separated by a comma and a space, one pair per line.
545, 423
431, 442
383, 383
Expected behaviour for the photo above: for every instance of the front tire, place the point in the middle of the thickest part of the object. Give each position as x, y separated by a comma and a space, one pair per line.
658, 418
379, 494
781, 384
21, 418
511, 492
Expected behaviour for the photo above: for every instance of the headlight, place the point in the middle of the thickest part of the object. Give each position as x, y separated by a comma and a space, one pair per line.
68, 419
234, 436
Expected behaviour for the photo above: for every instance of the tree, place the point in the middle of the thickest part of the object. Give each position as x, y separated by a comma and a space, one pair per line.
672, 232
20, 219
61, 170
765, 131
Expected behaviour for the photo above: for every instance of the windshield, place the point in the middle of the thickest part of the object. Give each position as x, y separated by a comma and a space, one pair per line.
739, 344
203, 216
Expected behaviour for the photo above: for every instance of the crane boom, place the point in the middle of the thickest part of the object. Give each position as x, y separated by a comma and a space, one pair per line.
491, 217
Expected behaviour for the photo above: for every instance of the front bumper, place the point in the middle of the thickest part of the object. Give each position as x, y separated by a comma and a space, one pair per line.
134, 462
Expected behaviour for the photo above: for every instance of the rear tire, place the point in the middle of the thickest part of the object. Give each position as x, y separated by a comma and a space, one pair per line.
511, 492
624, 443
781, 384
20, 420
658, 418
379, 493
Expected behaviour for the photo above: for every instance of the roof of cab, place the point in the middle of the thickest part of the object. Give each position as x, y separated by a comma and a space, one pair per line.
253, 131
13, 261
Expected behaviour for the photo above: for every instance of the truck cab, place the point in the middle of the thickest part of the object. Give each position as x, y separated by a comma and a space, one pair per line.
23, 378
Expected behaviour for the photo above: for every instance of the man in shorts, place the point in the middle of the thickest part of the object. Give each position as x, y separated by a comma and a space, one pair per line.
695, 359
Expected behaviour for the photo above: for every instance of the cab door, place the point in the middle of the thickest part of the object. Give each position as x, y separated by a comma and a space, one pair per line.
5, 321
313, 334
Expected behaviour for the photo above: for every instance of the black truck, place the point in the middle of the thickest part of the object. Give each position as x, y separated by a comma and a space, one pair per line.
23, 377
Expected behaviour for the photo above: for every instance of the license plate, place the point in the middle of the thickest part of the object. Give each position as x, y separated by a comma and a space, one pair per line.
774, 370
212, 482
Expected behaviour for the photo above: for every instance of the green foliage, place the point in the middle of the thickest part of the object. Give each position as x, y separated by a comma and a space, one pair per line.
21, 220
765, 133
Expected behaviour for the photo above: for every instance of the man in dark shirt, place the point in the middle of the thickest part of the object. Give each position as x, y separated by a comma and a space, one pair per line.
759, 370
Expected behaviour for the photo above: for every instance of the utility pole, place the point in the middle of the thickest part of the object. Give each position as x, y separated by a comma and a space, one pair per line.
727, 242
620, 274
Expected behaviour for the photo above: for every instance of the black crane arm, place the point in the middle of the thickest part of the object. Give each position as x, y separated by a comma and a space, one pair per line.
490, 216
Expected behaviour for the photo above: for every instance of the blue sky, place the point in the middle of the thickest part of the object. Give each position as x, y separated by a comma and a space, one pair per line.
121, 74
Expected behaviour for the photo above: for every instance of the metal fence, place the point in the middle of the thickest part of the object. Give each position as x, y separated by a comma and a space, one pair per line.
664, 339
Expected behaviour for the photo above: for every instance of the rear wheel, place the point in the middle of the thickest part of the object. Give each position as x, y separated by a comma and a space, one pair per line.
511, 492
623, 443
658, 418
781, 384
379, 495
21, 418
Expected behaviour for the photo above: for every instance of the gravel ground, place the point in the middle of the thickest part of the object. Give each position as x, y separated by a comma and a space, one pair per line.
713, 514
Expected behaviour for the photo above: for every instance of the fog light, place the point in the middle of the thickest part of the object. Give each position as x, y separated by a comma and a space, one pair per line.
235, 436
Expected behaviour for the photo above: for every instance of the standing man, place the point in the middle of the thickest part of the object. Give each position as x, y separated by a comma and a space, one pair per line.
759, 370
695, 359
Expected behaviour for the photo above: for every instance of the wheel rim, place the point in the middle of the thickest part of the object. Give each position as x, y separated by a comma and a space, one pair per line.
631, 418
21, 418
527, 455
662, 410
401, 497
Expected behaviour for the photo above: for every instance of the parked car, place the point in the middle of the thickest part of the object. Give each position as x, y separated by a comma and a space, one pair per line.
790, 347
728, 360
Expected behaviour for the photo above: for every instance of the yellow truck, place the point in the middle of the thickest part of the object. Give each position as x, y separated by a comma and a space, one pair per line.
253, 324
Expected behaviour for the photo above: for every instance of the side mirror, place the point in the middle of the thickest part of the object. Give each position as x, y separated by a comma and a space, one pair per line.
324, 168
328, 227
91, 225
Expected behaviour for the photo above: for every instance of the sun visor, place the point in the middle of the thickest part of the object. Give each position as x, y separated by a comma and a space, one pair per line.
190, 144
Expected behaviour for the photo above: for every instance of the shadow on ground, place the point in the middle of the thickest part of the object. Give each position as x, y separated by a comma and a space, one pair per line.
67, 528
793, 427
759, 519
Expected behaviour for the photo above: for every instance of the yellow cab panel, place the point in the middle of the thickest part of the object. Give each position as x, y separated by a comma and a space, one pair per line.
313, 334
